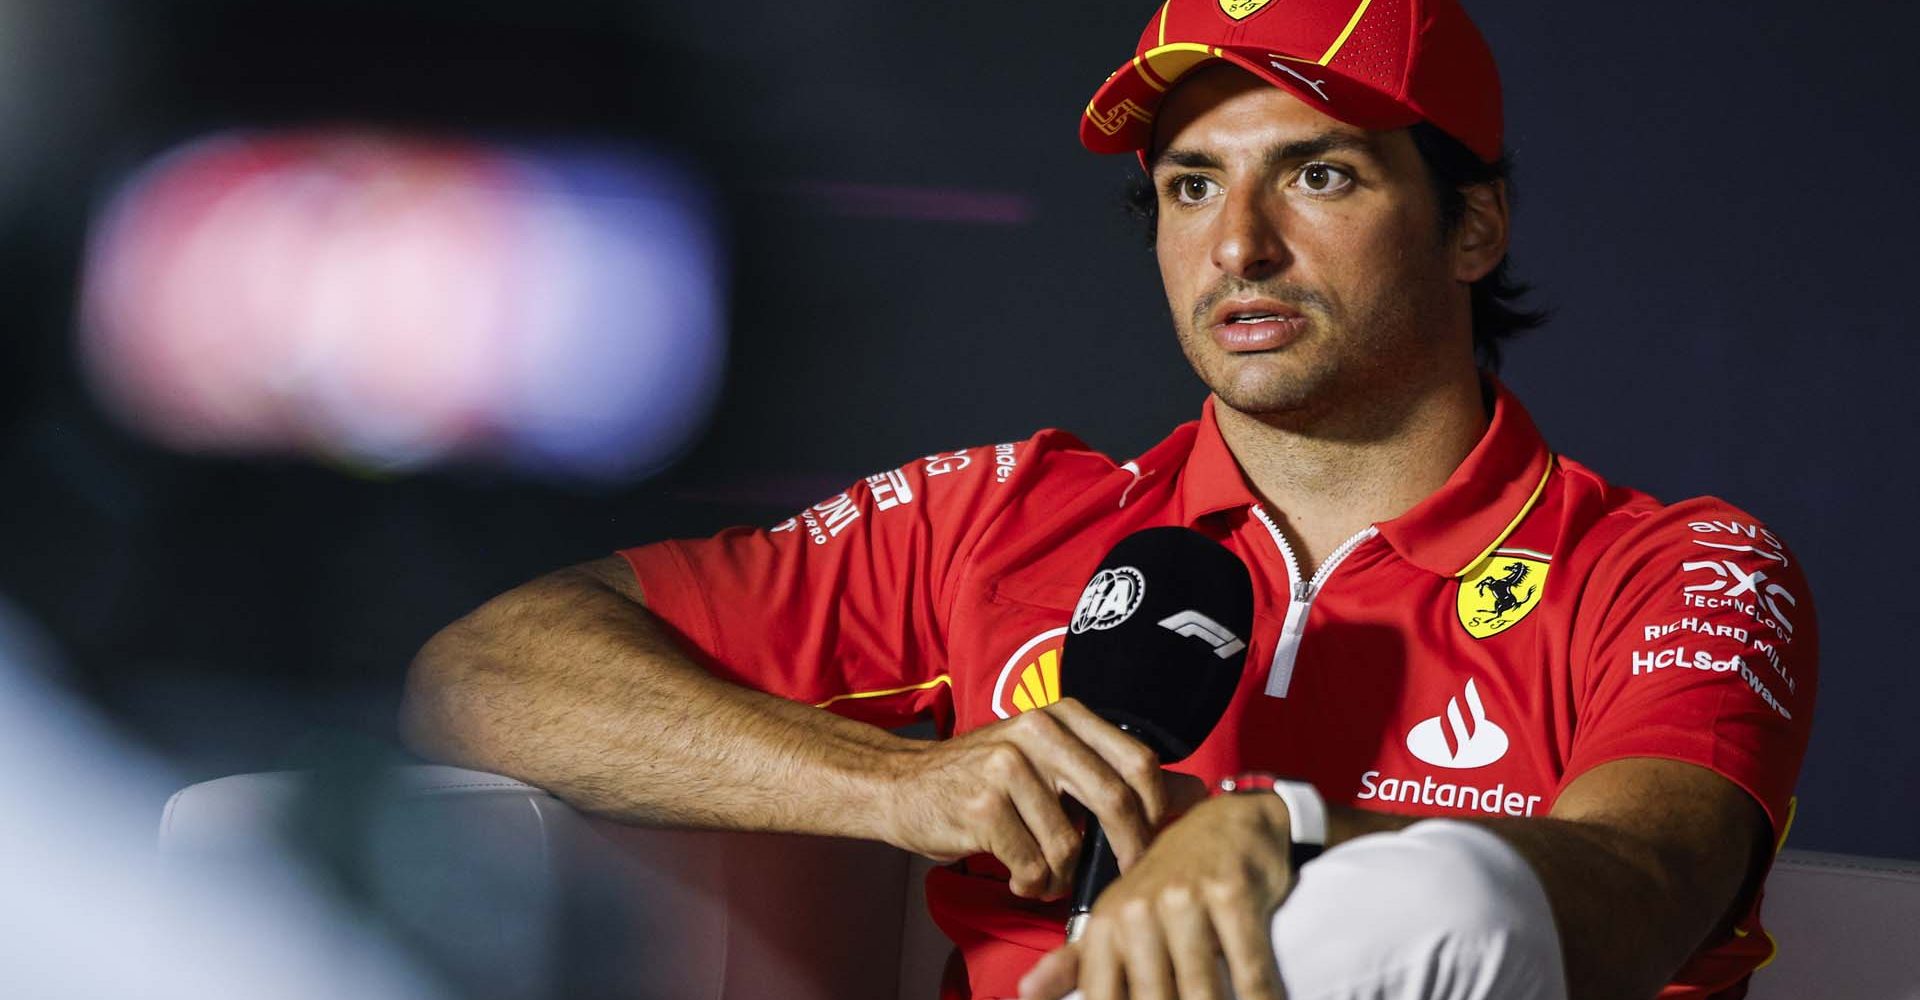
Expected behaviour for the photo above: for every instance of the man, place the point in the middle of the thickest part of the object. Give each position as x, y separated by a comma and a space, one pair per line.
1604, 700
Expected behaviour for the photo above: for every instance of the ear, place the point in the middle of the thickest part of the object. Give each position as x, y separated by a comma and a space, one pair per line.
1480, 241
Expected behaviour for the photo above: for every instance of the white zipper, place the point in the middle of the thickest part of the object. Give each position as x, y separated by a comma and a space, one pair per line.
1287, 648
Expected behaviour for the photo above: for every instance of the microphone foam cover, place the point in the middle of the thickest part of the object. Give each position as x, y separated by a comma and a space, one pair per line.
1158, 641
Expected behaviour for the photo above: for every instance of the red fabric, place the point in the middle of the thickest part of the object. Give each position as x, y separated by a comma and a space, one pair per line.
1682, 631
1384, 64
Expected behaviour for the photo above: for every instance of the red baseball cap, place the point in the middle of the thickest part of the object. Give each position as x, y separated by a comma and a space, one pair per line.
1377, 64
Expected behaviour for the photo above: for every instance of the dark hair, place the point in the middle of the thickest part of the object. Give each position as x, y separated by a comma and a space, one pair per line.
1451, 166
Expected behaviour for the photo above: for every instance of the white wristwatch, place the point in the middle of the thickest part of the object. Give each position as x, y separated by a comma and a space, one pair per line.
1306, 810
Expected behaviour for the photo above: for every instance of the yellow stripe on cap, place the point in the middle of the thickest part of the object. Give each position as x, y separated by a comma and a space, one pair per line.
1163, 22
1140, 68
1171, 62
1352, 23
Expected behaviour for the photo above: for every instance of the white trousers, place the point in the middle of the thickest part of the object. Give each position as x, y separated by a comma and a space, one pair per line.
1442, 910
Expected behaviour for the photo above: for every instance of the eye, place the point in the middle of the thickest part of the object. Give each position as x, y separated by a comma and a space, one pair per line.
1189, 189
1324, 178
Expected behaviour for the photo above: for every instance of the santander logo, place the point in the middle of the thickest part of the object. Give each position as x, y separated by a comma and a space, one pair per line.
1459, 741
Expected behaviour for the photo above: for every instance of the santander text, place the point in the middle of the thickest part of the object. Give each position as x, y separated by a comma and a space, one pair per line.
1493, 801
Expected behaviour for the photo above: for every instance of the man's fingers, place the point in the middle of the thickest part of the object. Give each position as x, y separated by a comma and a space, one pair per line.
1143, 953
1059, 740
1047, 824
1053, 977
1009, 841
992, 810
1101, 975
1246, 938
1138, 766
1192, 945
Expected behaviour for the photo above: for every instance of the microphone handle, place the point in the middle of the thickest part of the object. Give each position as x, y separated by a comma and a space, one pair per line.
1096, 869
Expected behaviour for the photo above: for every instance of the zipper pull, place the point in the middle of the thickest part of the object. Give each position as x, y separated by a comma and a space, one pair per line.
1296, 622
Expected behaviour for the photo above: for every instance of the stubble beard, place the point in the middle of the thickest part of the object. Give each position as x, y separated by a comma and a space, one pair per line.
1290, 380
1339, 363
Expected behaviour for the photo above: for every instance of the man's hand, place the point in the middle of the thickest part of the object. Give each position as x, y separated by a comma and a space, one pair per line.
1209, 887
997, 789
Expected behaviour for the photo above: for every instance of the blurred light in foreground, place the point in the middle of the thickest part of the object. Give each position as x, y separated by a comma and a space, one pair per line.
89, 909
392, 301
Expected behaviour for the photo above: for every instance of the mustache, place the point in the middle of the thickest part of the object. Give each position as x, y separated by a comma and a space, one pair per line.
1304, 299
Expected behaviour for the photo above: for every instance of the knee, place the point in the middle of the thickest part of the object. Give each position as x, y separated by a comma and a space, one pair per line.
1441, 909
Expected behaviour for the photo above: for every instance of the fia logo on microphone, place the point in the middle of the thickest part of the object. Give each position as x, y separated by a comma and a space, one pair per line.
1111, 597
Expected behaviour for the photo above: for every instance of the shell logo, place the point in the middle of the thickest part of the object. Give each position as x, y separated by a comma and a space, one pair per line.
1031, 678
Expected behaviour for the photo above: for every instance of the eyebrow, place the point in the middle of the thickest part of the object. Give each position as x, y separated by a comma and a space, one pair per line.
1299, 149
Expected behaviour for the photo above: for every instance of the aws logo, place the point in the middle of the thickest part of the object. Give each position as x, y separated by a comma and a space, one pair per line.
1031, 678
1502, 589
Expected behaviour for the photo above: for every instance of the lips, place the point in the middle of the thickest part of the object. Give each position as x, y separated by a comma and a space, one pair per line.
1250, 325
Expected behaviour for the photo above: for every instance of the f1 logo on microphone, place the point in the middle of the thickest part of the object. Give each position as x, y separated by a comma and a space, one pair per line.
1199, 626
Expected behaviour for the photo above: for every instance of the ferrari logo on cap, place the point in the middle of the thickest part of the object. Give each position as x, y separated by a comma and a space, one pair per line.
1240, 10
1502, 589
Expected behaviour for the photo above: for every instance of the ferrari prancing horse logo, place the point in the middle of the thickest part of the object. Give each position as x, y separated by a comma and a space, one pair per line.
1240, 10
1502, 589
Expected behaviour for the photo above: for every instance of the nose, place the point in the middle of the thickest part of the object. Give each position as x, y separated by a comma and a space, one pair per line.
1247, 241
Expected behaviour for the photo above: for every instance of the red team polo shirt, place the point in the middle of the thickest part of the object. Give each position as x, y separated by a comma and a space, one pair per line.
1471, 657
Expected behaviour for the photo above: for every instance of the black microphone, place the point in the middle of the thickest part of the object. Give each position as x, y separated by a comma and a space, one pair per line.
1156, 646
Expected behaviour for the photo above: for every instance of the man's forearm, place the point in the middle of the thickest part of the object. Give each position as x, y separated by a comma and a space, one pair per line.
1609, 896
1627, 919
1632, 898
569, 683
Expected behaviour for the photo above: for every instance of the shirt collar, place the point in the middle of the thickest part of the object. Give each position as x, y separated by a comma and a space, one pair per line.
1468, 517
1447, 533
1211, 481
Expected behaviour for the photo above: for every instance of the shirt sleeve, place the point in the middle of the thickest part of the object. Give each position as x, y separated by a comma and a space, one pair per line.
845, 604
1702, 648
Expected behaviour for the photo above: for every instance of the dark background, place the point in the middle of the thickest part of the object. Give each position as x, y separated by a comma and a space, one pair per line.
1714, 197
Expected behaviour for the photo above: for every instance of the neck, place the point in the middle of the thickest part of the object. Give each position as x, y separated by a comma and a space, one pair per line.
1325, 477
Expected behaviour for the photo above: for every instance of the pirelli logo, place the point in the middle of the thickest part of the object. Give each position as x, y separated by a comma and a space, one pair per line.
1114, 119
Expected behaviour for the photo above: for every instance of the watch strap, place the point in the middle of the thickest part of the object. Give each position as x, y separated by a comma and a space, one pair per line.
1306, 811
